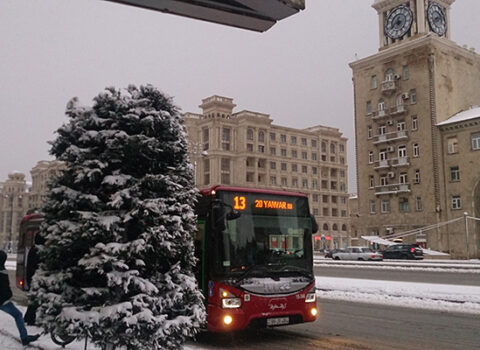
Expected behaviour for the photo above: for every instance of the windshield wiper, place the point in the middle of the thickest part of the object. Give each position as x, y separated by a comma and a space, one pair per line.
254, 268
300, 270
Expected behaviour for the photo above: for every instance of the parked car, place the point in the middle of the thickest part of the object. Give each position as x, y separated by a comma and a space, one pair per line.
329, 254
357, 253
403, 251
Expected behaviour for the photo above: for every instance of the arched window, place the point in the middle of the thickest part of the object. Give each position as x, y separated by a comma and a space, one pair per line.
389, 75
381, 105
261, 136
249, 134
335, 227
325, 227
344, 227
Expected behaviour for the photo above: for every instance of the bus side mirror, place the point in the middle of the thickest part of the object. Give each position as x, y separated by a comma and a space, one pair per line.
218, 217
314, 224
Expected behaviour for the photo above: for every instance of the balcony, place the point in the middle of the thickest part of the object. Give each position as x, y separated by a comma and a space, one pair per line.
389, 112
382, 164
389, 86
391, 136
400, 162
392, 189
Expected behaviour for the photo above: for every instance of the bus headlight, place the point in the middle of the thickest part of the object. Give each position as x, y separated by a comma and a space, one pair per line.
310, 297
227, 320
231, 303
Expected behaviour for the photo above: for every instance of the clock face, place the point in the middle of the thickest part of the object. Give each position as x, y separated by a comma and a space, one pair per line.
399, 22
436, 18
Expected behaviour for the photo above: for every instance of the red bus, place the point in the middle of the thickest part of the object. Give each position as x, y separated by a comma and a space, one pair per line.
256, 258
28, 229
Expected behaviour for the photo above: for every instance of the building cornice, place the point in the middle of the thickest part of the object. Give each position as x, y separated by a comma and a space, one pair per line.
424, 40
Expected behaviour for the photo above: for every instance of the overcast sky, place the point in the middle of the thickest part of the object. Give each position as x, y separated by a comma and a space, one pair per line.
53, 50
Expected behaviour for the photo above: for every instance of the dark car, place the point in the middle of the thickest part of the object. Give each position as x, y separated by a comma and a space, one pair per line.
403, 251
329, 254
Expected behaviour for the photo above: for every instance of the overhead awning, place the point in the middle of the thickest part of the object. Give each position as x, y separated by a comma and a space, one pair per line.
257, 15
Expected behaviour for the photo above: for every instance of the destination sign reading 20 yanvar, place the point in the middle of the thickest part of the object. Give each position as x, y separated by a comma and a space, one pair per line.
240, 203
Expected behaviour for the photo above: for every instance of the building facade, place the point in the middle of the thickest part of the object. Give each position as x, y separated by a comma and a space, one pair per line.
41, 174
418, 79
13, 205
247, 149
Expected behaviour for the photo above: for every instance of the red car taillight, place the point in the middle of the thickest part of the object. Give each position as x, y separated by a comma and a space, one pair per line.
412, 250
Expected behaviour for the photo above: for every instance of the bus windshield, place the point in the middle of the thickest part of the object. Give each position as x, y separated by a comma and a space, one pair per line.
270, 237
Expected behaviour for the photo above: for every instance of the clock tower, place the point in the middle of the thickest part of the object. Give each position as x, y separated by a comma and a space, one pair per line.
406, 160
401, 20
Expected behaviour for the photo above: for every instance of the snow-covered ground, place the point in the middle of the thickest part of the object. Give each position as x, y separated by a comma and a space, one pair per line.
452, 298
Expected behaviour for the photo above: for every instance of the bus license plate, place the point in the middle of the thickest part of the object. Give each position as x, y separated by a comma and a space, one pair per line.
276, 321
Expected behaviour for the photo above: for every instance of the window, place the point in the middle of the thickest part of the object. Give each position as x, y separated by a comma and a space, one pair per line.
325, 226
315, 198
476, 141
454, 173
456, 202
333, 185
401, 125
283, 138
250, 134
283, 152
315, 211
273, 136
325, 199
373, 82
273, 180
452, 145
294, 182
294, 168
226, 139
294, 153
417, 176
304, 183
206, 171
405, 73
382, 130
293, 140
284, 181
414, 123
314, 156
342, 187
334, 226
416, 150
304, 169
250, 177
369, 107
261, 148
389, 75
225, 170
335, 213
344, 227
249, 147
342, 160
205, 137
314, 143
369, 132
403, 204
413, 96
283, 166
261, 136
273, 151
324, 147
381, 106
333, 172
371, 183
385, 206
315, 184
402, 151
382, 155
341, 147
343, 200
403, 178
342, 173
314, 170
372, 206
383, 180
418, 203
332, 148
273, 165
303, 142
304, 156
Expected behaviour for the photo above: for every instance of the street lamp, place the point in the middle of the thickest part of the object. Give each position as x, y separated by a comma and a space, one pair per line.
197, 152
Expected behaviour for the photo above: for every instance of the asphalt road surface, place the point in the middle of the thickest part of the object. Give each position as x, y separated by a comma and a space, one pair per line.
357, 326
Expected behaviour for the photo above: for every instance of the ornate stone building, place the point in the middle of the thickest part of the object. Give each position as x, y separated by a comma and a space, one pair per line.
417, 80
246, 149
41, 174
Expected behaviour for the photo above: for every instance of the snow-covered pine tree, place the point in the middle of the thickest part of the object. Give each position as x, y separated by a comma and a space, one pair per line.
119, 223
